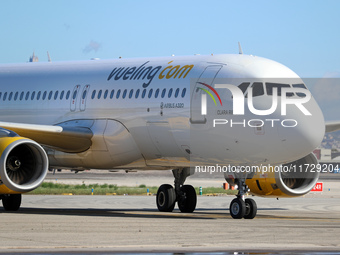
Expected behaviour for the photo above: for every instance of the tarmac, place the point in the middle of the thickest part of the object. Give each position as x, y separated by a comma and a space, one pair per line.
105, 224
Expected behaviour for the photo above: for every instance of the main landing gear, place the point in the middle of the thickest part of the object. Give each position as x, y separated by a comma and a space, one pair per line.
240, 207
11, 202
184, 195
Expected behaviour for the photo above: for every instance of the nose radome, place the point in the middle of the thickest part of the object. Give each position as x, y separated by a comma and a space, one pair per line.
308, 133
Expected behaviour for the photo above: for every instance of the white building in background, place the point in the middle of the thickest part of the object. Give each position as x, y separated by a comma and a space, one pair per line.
33, 58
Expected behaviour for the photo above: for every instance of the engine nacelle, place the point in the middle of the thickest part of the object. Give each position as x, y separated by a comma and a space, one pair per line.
290, 180
23, 164
302, 177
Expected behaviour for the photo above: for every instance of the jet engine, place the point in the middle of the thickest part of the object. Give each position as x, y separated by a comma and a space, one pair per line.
299, 177
293, 179
23, 163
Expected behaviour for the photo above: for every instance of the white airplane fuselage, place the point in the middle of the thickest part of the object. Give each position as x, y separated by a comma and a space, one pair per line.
145, 113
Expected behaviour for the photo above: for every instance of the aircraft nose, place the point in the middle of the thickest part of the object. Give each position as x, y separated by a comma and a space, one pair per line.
300, 140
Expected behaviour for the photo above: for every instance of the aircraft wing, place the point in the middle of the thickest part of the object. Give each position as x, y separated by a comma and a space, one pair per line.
67, 139
332, 126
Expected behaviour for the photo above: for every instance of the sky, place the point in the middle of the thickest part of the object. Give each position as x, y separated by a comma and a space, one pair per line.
303, 35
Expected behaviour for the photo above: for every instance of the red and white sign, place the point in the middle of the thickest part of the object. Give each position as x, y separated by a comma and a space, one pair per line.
318, 187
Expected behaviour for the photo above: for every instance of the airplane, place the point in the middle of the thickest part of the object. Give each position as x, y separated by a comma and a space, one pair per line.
185, 114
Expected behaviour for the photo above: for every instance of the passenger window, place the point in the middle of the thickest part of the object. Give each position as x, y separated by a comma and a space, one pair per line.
150, 93
124, 93
10, 96
183, 92
33, 95
15, 96
156, 93
170, 93
38, 95
137, 93
144, 92
131, 93
56, 95
44, 95
105, 94
68, 94
27, 95
93, 94
118, 94
5, 96
112, 93
74, 95
62, 95
176, 93
99, 94
50, 95
84, 94
163, 93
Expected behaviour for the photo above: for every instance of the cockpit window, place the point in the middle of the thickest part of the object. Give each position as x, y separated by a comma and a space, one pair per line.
243, 86
257, 89
300, 85
279, 86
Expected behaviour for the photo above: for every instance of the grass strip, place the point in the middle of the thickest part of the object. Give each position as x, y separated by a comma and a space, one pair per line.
50, 188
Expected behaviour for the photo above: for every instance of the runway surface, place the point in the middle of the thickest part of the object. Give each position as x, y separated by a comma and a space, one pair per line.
132, 223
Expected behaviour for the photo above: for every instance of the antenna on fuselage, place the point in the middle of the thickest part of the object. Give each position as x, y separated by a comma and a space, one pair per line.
48, 57
239, 48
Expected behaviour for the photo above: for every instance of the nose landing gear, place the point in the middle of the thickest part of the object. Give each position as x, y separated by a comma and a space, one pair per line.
240, 207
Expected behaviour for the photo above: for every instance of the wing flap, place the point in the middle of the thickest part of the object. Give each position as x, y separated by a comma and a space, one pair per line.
67, 139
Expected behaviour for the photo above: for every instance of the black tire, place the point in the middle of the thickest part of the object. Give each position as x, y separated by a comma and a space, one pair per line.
11, 202
251, 209
187, 203
237, 208
166, 198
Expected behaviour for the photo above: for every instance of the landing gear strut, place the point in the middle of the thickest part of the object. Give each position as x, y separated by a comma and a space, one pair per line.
184, 195
240, 207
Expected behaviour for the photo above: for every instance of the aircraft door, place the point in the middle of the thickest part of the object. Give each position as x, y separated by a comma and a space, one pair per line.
83, 98
74, 97
207, 77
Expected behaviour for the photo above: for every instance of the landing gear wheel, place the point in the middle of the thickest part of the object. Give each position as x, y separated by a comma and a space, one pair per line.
251, 208
166, 198
187, 202
237, 208
11, 202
